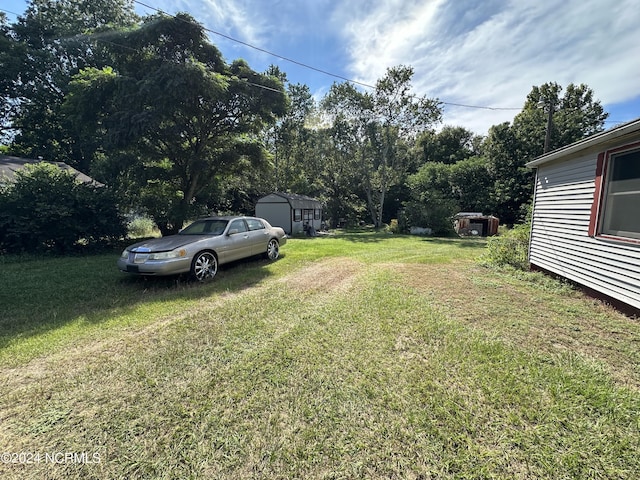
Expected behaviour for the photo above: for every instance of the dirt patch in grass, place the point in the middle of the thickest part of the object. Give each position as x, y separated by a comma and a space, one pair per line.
323, 277
327, 276
526, 315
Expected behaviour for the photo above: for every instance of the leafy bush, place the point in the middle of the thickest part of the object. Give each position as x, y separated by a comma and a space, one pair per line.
47, 209
511, 248
140, 227
431, 204
433, 211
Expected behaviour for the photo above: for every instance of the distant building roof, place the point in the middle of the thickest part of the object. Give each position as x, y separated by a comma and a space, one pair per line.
10, 165
293, 199
295, 196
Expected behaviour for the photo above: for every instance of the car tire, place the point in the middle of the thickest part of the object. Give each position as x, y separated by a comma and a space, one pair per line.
273, 249
204, 266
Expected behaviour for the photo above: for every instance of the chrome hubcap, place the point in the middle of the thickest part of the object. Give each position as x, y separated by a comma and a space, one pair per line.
205, 267
272, 250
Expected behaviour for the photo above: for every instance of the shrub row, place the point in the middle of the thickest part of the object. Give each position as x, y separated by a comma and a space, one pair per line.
47, 210
510, 248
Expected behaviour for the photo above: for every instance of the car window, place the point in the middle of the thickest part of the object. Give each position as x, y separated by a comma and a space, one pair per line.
205, 227
255, 224
238, 225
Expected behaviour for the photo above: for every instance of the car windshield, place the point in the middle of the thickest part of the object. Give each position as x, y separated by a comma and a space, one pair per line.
205, 227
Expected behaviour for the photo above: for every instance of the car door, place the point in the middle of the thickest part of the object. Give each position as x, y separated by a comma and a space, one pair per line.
237, 243
258, 235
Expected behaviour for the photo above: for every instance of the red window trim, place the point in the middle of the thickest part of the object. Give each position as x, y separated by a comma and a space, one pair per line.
598, 194
635, 241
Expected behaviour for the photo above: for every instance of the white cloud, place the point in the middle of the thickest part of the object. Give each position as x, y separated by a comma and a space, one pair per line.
493, 52
239, 19
487, 53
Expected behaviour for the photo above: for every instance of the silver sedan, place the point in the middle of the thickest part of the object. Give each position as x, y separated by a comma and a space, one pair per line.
199, 248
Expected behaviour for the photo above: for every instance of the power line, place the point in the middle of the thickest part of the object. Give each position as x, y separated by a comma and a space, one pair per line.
481, 107
296, 62
9, 11
310, 67
281, 57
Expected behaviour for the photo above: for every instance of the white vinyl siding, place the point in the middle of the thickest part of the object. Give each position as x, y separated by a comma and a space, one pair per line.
560, 241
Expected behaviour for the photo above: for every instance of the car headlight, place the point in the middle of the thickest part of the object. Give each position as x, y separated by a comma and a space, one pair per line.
167, 255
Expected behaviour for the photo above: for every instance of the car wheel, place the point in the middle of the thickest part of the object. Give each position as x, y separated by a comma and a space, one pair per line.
273, 249
204, 266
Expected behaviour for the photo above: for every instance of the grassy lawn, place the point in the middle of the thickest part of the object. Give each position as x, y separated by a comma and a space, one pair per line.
353, 356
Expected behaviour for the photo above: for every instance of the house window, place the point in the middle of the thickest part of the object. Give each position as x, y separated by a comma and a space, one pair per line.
621, 195
308, 215
316, 214
297, 215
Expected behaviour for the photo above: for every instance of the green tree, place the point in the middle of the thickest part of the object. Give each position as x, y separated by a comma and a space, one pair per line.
336, 149
292, 144
186, 117
50, 44
432, 201
438, 191
387, 122
471, 184
449, 145
10, 55
574, 116
399, 116
512, 181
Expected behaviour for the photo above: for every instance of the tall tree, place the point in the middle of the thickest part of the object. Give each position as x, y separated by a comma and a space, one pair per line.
9, 71
573, 116
512, 181
449, 145
188, 116
400, 116
292, 141
52, 45
388, 121
336, 150
432, 201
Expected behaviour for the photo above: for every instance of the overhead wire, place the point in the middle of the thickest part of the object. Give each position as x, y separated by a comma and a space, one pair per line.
296, 62
9, 11
305, 65
246, 44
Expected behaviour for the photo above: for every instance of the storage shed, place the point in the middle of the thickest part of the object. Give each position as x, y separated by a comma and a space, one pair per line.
586, 221
294, 213
471, 224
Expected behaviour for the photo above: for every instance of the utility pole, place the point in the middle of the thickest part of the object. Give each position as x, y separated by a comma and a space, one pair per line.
547, 103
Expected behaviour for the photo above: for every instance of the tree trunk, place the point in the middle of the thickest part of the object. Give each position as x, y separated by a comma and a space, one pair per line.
381, 206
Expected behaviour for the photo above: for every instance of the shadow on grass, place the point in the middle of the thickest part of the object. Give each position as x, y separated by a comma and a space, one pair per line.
363, 235
40, 295
372, 236
459, 242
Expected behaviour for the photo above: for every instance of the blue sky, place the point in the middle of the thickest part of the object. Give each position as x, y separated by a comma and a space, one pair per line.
471, 52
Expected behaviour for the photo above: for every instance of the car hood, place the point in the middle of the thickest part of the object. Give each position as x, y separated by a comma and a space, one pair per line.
166, 244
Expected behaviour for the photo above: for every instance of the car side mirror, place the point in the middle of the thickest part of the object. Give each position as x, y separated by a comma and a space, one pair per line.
233, 231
